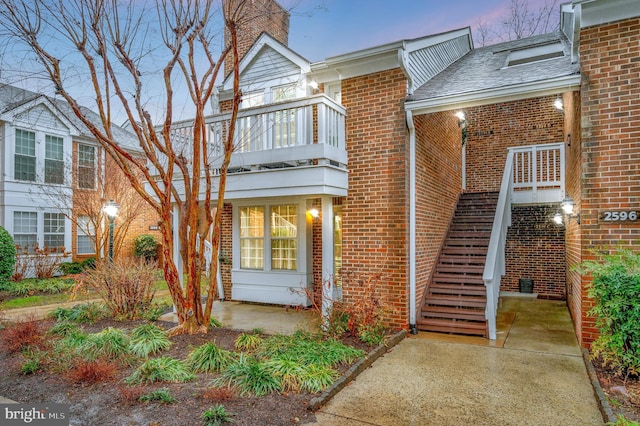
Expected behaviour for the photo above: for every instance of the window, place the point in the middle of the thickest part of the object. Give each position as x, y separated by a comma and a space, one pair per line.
54, 230
284, 93
86, 236
535, 54
252, 237
284, 237
86, 167
252, 99
25, 230
25, 157
54, 159
281, 237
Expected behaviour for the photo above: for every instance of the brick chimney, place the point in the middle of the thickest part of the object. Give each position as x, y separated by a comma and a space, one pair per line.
258, 16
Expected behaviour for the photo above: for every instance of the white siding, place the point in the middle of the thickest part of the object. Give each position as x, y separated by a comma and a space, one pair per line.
429, 61
40, 117
268, 65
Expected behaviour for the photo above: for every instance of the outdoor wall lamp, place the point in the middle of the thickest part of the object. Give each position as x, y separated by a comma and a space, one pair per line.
567, 207
314, 213
558, 104
462, 123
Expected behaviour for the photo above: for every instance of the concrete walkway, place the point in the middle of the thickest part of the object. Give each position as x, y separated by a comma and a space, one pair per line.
533, 375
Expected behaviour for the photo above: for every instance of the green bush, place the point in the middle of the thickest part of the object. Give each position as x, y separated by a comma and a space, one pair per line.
7, 255
146, 247
615, 290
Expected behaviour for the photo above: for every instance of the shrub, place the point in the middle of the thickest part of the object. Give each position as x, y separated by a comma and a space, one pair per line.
43, 285
250, 376
92, 371
126, 286
216, 416
34, 361
111, 343
68, 268
20, 335
146, 247
38, 262
248, 342
208, 358
7, 255
224, 393
615, 289
64, 328
148, 339
82, 313
130, 394
160, 395
163, 369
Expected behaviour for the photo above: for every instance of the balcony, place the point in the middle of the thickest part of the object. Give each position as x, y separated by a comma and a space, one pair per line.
282, 149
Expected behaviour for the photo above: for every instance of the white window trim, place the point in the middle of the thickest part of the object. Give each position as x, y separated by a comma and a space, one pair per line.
10, 141
40, 224
96, 153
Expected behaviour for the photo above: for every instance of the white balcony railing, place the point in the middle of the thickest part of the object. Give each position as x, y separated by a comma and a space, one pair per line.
538, 173
302, 131
531, 174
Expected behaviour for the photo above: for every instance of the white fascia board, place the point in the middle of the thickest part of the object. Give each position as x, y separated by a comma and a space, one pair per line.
492, 96
605, 11
10, 115
266, 39
363, 62
421, 43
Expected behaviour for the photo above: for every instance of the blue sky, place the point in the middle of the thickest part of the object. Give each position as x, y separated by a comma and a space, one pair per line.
325, 28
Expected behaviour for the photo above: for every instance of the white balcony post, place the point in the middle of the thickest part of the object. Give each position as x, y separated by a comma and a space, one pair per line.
327, 255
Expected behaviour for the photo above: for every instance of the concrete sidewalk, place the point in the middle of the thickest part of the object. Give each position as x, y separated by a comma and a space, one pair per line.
537, 377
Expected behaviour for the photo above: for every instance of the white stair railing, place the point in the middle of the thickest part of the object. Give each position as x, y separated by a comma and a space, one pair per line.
494, 267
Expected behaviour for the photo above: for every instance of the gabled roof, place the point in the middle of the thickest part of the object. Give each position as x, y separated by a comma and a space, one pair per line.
485, 76
421, 58
269, 48
14, 100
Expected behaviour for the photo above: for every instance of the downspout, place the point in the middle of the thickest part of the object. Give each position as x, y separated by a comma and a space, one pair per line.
412, 222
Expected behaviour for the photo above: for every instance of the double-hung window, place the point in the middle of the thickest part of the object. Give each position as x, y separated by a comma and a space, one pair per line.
86, 166
54, 159
275, 246
25, 156
284, 237
25, 230
54, 231
86, 236
252, 237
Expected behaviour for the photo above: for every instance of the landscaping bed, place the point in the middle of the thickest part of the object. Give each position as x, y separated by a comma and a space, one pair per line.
107, 396
622, 394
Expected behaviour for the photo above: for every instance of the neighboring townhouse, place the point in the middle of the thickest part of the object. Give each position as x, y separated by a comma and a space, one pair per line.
440, 166
53, 176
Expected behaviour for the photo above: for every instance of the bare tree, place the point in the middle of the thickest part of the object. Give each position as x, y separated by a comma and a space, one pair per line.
519, 22
123, 49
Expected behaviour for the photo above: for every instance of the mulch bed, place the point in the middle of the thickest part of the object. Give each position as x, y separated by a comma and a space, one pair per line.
114, 403
623, 394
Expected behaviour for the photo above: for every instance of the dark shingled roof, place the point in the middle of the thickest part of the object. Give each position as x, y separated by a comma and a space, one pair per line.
485, 69
12, 97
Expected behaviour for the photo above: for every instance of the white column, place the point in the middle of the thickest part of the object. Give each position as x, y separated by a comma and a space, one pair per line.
327, 255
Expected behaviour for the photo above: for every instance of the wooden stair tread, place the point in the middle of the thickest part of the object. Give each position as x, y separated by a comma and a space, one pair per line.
453, 313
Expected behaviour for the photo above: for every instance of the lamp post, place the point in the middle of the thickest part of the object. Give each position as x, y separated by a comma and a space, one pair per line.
111, 210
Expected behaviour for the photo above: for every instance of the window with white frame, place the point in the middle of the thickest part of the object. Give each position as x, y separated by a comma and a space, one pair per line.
284, 237
86, 236
54, 231
252, 237
25, 230
86, 166
252, 99
25, 155
281, 237
54, 159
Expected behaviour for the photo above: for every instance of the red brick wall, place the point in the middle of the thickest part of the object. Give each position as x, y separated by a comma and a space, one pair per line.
610, 140
375, 210
259, 16
226, 249
438, 185
493, 128
573, 188
535, 249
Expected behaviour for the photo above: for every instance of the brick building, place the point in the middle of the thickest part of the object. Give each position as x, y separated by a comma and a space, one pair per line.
440, 166
56, 178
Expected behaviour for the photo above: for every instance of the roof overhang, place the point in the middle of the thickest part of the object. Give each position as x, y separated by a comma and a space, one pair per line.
10, 115
495, 95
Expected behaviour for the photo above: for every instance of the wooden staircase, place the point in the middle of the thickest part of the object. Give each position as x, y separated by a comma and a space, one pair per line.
455, 299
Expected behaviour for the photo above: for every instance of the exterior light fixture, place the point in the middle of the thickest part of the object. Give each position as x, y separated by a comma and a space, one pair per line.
462, 123
567, 206
111, 210
558, 104
314, 213
313, 84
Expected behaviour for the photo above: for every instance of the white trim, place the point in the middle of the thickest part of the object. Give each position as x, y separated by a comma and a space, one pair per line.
495, 95
412, 220
10, 115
